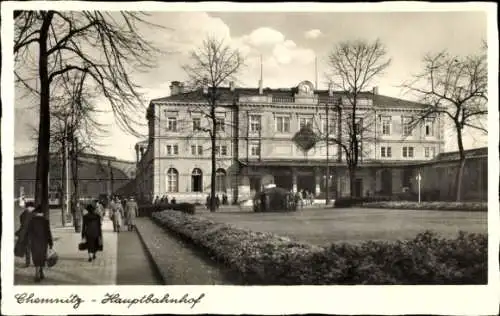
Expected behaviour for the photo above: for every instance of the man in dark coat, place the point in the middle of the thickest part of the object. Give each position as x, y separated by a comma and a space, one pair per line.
92, 231
24, 219
40, 238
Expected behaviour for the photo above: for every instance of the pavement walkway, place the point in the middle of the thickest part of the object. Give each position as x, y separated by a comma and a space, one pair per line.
123, 261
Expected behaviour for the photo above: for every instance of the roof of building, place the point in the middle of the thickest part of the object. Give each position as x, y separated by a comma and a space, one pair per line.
470, 153
86, 171
227, 96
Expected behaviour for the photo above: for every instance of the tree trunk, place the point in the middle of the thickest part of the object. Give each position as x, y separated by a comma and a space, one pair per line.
43, 152
63, 183
213, 138
461, 167
352, 182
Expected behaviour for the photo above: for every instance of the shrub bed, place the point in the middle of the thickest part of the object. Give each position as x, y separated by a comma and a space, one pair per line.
148, 210
352, 201
265, 258
442, 206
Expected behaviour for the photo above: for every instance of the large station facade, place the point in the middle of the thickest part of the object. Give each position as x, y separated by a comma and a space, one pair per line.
256, 142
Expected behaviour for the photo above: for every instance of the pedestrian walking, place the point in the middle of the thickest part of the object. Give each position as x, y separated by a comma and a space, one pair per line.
131, 210
92, 232
100, 210
117, 216
21, 233
40, 240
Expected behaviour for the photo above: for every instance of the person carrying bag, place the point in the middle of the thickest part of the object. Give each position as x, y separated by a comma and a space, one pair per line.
91, 233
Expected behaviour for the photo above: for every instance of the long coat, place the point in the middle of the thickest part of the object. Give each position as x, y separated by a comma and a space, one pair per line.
117, 214
131, 211
40, 238
92, 231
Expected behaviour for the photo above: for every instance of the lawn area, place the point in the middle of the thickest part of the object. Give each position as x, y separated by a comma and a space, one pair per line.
322, 226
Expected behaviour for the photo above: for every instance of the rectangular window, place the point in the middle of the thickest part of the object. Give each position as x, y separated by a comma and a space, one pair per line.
407, 130
172, 150
303, 121
433, 152
172, 124
255, 150
385, 152
196, 124
386, 125
219, 125
283, 124
429, 127
255, 125
221, 150
426, 152
332, 125
193, 150
408, 152
200, 150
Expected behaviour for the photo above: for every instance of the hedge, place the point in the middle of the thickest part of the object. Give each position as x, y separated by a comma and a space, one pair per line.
265, 258
148, 210
442, 206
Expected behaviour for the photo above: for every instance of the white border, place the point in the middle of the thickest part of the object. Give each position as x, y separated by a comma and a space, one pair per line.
455, 300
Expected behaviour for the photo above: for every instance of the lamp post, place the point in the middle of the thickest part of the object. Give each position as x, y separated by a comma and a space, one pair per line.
419, 179
327, 140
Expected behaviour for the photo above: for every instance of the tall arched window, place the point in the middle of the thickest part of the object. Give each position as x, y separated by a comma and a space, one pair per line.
197, 180
220, 180
172, 180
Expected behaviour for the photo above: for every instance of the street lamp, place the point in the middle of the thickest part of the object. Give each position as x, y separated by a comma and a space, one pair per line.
419, 179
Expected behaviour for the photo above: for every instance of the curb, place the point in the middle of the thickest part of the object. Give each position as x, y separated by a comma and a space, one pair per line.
156, 268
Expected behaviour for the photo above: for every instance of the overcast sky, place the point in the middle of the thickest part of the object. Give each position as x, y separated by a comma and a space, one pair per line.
289, 43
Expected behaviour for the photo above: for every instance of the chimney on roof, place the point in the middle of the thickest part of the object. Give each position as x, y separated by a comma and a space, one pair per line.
176, 87
330, 89
375, 90
231, 86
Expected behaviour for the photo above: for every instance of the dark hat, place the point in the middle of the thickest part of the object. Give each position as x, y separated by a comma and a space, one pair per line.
38, 209
90, 208
29, 204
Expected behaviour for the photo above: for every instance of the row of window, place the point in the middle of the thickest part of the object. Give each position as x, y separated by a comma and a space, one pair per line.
196, 150
407, 152
255, 150
283, 125
407, 126
196, 180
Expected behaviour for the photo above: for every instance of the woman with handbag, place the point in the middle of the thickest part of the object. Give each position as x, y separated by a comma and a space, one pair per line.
92, 232
40, 238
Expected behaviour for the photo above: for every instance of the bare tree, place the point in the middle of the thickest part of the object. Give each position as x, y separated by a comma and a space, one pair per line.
213, 65
352, 67
456, 87
106, 45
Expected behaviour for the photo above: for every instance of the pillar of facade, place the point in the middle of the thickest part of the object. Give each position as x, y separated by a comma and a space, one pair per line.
294, 180
317, 181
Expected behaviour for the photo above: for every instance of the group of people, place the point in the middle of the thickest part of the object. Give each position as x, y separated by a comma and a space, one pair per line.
217, 201
163, 200
123, 213
34, 236
303, 198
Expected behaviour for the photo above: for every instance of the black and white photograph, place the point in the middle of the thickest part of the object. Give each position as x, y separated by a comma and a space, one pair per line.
281, 149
